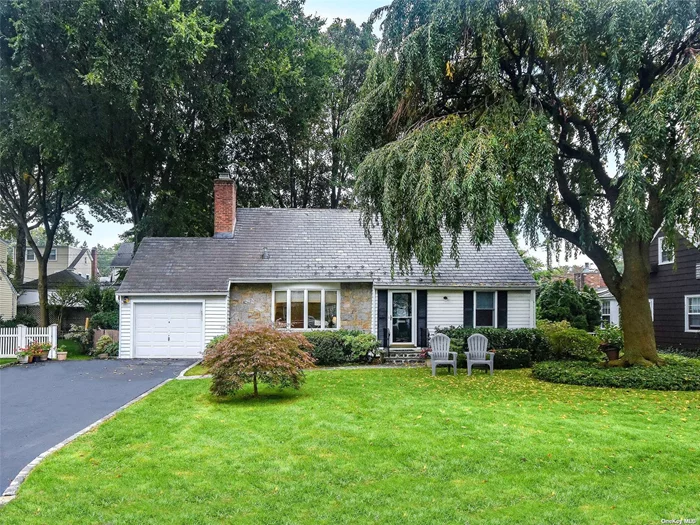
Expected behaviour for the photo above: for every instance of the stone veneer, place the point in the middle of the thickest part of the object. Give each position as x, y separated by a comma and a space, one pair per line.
356, 306
250, 304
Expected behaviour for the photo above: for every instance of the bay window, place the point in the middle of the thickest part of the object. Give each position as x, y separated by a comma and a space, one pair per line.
311, 308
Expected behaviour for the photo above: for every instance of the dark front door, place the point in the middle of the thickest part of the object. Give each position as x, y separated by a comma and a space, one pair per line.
401, 310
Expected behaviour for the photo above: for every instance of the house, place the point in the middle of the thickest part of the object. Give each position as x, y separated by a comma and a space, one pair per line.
28, 302
81, 261
8, 294
674, 292
121, 261
586, 275
308, 269
609, 309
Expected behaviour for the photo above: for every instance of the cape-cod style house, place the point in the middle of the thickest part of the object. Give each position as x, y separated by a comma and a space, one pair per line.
308, 269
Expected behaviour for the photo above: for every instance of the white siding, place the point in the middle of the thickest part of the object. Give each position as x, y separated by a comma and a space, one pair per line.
215, 317
521, 309
443, 312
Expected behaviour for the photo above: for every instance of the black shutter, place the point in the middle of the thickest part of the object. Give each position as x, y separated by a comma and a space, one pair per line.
468, 320
422, 297
502, 309
382, 305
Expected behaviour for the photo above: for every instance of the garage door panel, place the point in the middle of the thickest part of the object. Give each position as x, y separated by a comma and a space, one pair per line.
168, 330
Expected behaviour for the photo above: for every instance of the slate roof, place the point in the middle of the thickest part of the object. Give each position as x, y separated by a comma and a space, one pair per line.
308, 245
124, 255
55, 280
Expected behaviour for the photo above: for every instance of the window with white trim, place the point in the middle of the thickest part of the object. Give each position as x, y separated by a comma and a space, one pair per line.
605, 312
485, 309
692, 313
306, 308
53, 255
666, 255
30, 255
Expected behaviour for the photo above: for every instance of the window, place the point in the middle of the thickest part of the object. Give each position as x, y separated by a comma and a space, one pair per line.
605, 312
692, 313
485, 311
665, 254
30, 255
305, 309
52, 255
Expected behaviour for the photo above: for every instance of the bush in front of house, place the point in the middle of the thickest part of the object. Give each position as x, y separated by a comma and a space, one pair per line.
512, 358
19, 319
105, 321
679, 373
531, 339
257, 354
562, 301
568, 343
336, 347
105, 345
685, 352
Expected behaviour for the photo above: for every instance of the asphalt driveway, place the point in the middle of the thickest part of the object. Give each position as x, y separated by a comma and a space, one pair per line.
44, 403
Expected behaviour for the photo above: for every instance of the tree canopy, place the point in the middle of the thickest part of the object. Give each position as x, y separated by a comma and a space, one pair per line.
575, 119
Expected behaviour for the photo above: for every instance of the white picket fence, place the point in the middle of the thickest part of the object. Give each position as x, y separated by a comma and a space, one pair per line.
12, 339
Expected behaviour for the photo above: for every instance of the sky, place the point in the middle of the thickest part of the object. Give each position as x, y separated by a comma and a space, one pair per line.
107, 234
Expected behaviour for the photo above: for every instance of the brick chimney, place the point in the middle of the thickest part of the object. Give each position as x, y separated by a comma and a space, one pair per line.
93, 265
224, 206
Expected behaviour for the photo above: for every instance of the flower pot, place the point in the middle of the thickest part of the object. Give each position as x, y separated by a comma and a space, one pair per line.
103, 356
30, 359
44, 356
61, 356
23, 359
611, 351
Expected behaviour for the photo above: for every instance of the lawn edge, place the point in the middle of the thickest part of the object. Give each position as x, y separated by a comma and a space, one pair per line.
11, 491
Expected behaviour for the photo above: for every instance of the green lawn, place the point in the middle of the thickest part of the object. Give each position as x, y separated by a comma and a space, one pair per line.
384, 446
6, 360
75, 351
197, 370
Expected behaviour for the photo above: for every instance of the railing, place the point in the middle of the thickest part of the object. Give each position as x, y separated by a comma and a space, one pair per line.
12, 339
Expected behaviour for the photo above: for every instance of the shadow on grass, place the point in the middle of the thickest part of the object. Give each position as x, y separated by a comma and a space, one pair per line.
266, 396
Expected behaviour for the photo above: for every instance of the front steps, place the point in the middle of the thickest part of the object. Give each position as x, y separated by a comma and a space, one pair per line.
403, 356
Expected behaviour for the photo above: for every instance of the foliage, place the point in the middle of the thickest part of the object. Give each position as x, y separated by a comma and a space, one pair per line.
510, 358
215, 341
37, 348
678, 374
611, 335
258, 353
335, 347
108, 301
362, 346
105, 321
92, 298
80, 335
570, 343
685, 352
105, 345
562, 301
19, 319
475, 113
65, 296
531, 339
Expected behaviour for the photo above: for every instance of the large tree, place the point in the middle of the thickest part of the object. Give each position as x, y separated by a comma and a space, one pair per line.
575, 118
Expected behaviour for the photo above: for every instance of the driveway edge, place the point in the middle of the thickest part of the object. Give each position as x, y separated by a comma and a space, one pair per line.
11, 491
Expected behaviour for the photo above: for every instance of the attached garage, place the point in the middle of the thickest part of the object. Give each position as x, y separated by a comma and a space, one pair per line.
168, 330
169, 326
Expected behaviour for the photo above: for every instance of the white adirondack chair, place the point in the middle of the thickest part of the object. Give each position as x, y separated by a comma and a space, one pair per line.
440, 354
478, 345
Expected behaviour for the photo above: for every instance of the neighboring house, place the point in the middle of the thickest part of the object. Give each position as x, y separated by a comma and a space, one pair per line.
308, 269
28, 302
609, 309
121, 261
8, 294
586, 275
674, 290
82, 261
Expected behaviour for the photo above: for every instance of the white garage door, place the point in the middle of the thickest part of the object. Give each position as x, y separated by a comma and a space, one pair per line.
167, 330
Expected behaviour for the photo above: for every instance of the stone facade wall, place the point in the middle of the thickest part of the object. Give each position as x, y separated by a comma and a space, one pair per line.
356, 306
250, 304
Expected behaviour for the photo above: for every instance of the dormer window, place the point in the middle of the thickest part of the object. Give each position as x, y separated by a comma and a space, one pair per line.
666, 255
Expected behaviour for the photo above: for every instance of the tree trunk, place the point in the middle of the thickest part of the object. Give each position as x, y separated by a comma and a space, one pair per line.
43, 290
20, 257
635, 312
255, 384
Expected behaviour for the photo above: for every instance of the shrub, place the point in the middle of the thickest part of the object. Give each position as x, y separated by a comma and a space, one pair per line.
510, 358
108, 301
686, 352
678, 374
257, 354
215, 341
25, 319
362, 346
80, 335
530, 339
562, 301
570, 343
102, 342
112, 349
105, 321
328, 348
610, 335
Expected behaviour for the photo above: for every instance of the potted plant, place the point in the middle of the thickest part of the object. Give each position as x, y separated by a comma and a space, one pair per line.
40, 351
62, 353
24, 356
611, 341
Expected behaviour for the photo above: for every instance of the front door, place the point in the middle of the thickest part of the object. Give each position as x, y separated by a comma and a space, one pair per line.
401, 318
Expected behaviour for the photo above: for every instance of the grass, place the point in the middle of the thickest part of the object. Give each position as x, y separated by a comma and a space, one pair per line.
7, 360
75, 351
384, 445
197, 370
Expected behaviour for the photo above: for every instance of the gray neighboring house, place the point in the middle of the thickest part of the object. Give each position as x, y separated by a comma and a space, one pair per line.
308, 269
121, 260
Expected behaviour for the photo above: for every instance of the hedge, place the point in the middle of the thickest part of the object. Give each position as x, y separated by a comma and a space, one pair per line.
679, 373
531, 339
511, 358
341, 346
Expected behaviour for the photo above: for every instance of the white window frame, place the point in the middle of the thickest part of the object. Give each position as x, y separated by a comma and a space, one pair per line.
30, 257
688, 314
53, 255
495, 309
603, 320
661, 252
651, 305
306, 289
